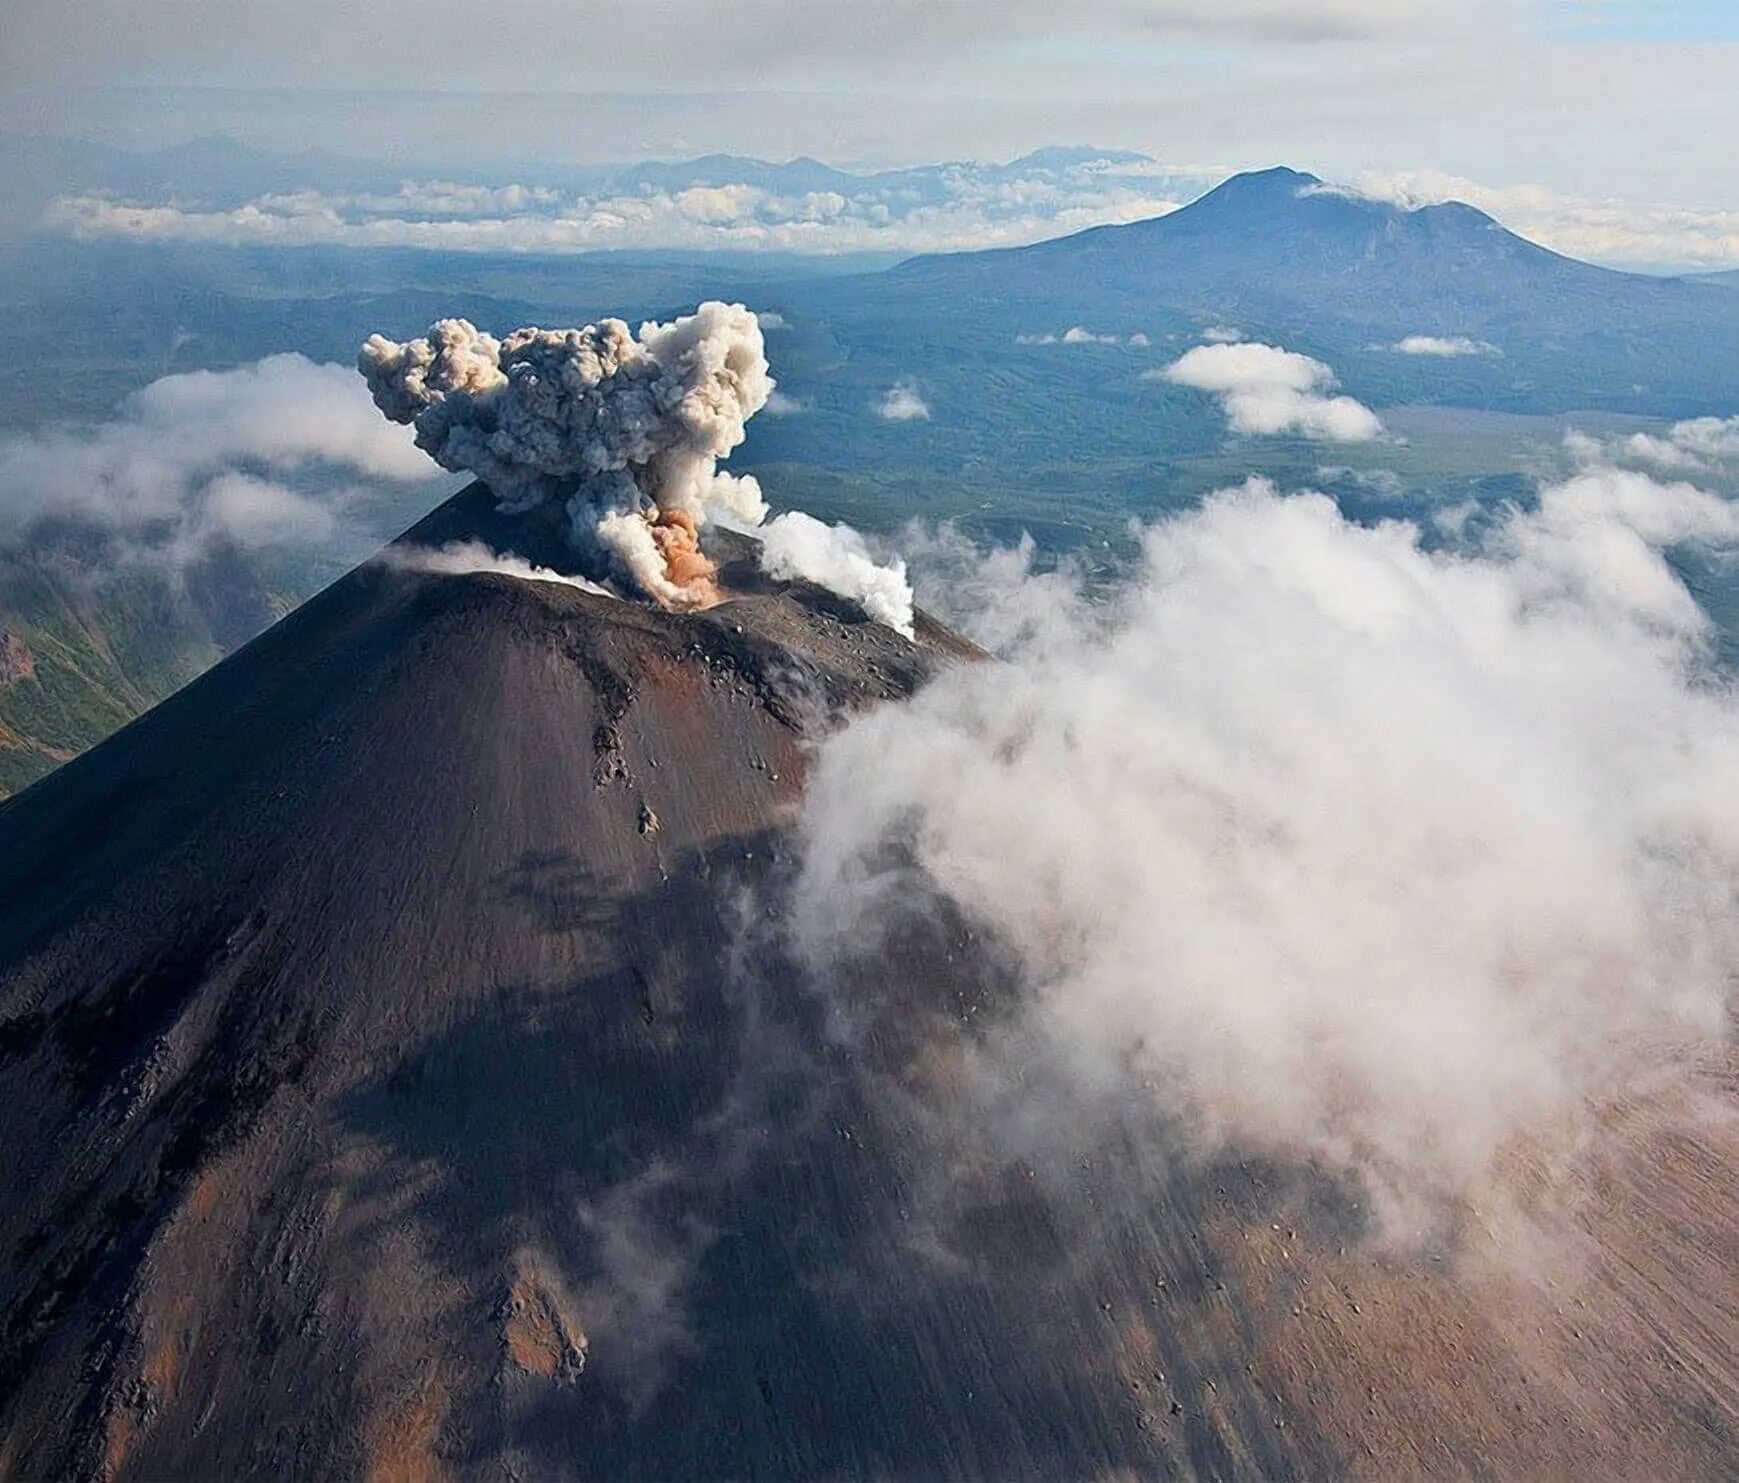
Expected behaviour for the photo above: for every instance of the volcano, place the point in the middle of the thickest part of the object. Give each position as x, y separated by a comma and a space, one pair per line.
402, 1078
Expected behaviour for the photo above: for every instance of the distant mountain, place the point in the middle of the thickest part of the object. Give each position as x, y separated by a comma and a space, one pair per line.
1278, 253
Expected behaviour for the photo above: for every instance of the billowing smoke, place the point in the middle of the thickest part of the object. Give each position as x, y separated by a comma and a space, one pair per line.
625, 430
1336, 846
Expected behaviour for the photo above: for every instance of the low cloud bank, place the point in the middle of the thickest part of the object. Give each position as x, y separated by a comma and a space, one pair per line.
1322, 843
266, 454
925, 209
1696, 445
1266, 392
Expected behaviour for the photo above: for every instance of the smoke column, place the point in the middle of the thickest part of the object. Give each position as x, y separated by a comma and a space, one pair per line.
625, 430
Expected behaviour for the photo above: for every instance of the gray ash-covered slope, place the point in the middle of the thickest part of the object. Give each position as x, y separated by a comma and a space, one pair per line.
325, 982
400, 1077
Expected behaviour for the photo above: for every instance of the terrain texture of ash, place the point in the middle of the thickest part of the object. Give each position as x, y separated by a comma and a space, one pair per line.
400, 1078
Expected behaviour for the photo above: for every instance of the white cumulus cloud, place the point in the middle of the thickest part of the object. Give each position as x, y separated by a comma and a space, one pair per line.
1328, 844
1442, 346
1267, 391
267, 453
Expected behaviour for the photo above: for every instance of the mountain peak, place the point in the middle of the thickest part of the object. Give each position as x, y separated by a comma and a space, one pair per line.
1276, 183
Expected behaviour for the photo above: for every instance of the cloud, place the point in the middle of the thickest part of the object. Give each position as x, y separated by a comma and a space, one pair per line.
1698, 444
1222, 334
1080, 335
1267, 391
929, 209
265, 454
1319, 842
1623, 233
781, 405
1445, 347
902, 402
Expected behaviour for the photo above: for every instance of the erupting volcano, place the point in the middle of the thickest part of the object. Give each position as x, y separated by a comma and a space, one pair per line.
408, 1071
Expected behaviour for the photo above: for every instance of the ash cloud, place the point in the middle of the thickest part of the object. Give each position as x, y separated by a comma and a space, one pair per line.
1321, 841
624, 430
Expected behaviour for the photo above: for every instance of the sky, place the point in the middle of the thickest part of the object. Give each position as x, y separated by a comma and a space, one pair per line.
1602, 128
1625, 97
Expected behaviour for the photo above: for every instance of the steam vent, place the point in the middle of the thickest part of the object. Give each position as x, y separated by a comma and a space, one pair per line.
404, 1076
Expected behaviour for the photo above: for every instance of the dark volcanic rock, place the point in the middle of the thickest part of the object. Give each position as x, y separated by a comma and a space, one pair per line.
400, 1078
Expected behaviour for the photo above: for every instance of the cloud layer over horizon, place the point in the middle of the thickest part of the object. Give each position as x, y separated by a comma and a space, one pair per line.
944, 207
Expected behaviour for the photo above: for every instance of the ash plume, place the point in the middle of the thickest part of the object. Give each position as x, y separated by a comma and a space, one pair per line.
624, 429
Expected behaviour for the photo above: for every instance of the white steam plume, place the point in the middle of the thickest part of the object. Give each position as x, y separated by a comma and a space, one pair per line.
1344, 849
627, 432
461, 558
836, 557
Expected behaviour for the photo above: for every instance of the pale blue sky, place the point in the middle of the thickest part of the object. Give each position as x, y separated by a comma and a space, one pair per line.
1628, 98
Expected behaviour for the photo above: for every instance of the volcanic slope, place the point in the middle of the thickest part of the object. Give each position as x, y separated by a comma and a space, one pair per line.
400, 1078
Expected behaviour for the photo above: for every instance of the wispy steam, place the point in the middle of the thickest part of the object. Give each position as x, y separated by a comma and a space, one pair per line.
461, 558
1334, 846
623, 430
